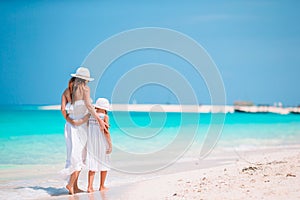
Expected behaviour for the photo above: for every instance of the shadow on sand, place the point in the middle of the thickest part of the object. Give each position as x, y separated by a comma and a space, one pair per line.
50, 190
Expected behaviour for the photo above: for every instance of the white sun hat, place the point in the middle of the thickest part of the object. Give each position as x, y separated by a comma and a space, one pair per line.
82, 73
103, 104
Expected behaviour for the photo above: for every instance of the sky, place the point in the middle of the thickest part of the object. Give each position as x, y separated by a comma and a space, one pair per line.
255, 45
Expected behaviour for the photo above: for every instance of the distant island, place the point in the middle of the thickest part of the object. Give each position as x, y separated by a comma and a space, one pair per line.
249, 107
241, 106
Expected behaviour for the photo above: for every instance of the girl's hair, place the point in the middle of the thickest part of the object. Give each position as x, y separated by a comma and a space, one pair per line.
105, 111
77, 82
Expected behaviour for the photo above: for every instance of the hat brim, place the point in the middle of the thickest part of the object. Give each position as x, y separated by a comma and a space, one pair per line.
104, 108
82, 77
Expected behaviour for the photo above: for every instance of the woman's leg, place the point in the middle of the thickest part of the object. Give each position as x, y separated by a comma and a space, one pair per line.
76, 188
72, 180
90, 181
102, 180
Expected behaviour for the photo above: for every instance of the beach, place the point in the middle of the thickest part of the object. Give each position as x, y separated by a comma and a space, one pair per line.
268, 174
271, 173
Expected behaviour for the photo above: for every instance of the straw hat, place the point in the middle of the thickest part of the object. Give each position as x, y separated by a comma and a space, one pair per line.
103, 104
83, 73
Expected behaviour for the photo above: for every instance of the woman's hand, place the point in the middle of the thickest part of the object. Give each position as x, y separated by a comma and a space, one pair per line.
71, 121
75, 122
78, 122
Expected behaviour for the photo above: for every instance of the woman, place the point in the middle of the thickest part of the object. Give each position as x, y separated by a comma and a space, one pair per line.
78, 115
66, 109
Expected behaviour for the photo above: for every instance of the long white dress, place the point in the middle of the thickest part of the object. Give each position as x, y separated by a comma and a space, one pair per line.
97, 145
76, 138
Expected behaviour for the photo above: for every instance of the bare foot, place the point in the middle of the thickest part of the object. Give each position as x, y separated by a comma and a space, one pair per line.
70, 189
77, 190
90, 190
103, 188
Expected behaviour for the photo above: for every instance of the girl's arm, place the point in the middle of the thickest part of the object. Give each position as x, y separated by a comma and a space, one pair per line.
86, 98
107, 136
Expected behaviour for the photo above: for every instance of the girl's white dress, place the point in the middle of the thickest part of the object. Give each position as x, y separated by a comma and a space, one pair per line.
76, 138
97, 145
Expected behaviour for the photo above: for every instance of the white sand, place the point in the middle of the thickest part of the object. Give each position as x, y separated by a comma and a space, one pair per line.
260, 174
268, 175
263, 174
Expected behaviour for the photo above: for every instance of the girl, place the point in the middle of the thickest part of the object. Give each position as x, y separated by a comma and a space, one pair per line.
99, 146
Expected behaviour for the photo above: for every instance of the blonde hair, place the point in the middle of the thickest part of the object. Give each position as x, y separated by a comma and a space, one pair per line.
77, 82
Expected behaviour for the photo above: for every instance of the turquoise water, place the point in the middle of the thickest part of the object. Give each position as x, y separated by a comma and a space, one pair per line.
32, 136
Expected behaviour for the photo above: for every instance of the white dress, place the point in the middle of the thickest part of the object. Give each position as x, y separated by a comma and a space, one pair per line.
97, 145
76, 138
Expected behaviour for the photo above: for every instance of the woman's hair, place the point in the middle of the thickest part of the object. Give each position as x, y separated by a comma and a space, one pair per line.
70, 86
77, 82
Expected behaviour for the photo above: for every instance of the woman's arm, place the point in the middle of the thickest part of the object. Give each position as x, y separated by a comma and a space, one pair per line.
81, 121
63, 110
86, 98
63, 105
64, 102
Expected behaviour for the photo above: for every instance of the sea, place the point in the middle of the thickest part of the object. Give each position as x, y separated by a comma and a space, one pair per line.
145, 145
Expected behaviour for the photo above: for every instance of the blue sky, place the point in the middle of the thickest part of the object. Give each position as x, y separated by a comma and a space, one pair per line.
255, 45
